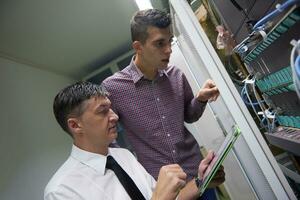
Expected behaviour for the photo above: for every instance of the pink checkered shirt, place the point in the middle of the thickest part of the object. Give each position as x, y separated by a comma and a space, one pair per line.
152, 114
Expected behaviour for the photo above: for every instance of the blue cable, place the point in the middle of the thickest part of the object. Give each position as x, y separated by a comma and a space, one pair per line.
274, 13
243, 93
270, 126
297, 66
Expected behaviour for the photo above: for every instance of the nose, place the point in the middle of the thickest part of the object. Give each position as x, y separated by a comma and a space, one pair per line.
113, 116
168, 49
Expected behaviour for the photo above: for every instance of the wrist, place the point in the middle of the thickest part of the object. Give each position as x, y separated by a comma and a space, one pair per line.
201, 98
198, 182
204, 102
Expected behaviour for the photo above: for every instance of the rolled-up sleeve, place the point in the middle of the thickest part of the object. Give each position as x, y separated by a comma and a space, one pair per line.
193, 109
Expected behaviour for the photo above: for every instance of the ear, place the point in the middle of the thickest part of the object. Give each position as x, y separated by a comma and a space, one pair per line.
74, 125
137, 46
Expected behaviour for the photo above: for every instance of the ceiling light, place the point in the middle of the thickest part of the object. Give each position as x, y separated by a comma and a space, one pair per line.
143, 4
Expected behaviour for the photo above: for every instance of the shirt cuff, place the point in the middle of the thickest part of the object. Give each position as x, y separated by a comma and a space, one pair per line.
198, 103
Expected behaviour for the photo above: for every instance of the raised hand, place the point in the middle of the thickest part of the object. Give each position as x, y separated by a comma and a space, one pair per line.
208, 92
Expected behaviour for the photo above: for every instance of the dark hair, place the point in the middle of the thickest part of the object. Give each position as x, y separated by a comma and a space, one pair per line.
69, 101
142, 19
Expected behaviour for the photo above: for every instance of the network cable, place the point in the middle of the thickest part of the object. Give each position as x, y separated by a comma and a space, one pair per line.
253, 39
279, 9
244, 92
261, 28
266, 114
272, 116
295, 65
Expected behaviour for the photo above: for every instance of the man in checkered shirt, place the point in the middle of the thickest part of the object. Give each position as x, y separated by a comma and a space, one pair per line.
153, 99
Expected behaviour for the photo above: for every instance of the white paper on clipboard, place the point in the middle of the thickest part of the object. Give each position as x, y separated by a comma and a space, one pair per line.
219, 158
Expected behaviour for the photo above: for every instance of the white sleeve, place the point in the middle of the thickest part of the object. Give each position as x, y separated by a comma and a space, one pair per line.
151, 181
62, 194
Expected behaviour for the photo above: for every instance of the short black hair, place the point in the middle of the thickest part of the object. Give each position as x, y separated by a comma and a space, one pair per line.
69, 101
142, 19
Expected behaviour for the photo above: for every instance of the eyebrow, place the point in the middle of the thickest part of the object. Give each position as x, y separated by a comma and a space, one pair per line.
103, 106
159, 40
162, 39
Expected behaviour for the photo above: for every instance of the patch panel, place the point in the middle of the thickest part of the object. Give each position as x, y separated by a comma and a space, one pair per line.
289, 121
276, 83
287, 22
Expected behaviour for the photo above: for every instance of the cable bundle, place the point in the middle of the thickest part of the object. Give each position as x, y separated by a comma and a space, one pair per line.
295, 65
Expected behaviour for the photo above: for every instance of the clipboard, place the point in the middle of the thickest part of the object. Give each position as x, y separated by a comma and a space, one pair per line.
219, 158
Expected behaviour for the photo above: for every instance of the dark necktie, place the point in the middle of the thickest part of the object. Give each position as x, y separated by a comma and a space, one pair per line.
124, 178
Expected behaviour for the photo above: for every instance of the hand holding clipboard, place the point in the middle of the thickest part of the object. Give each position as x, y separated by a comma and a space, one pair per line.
216, 160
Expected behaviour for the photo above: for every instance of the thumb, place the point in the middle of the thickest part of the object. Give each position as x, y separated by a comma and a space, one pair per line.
205, 163
208, 157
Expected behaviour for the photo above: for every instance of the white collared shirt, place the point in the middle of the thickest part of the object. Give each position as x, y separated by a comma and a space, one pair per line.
83, 176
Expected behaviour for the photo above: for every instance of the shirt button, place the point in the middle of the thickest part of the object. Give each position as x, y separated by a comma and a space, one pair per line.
173, 151
168, 135
157, 99
163, 117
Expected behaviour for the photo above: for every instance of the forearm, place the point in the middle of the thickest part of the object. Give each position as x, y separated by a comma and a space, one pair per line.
194, 110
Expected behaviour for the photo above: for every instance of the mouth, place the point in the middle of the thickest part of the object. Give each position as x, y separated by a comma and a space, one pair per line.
113, 128
165, 60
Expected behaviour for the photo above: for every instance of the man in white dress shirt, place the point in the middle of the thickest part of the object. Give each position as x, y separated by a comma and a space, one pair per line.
84, 112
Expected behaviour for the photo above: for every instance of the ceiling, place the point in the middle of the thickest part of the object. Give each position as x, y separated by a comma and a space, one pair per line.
67, 37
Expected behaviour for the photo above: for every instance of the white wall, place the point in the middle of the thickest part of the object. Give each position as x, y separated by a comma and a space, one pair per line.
32, 145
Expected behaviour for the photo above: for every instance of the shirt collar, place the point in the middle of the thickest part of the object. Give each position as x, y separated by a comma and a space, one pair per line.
137, 75
93, 160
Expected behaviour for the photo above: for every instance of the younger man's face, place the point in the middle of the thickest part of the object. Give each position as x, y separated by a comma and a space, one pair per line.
156, 50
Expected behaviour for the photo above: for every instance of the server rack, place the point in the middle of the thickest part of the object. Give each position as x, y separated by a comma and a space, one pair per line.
262, 171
